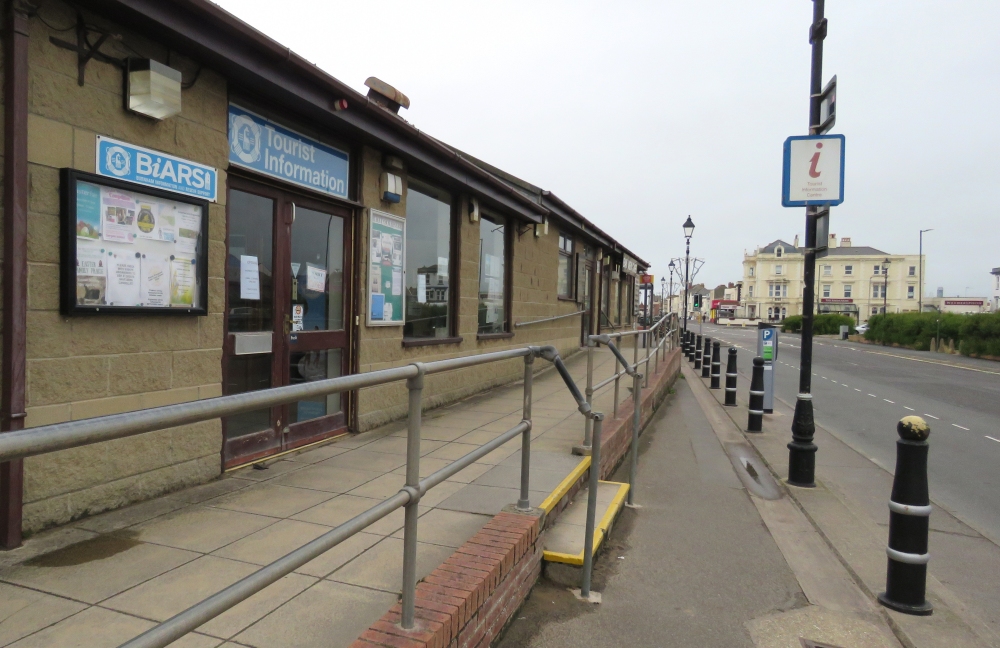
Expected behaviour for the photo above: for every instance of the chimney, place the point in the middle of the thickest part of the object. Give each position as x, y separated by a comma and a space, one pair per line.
845, 241
386, 96
833, 241
796, 243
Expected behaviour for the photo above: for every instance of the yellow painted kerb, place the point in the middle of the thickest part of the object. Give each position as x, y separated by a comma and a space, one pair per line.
560, 491
599, 533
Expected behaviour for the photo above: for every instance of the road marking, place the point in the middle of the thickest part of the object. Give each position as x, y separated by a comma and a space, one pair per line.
847, 386
945, 364
933, 417
856, 389
960, 427
873, 395
992, 439
909, 408
888, 401
825, 378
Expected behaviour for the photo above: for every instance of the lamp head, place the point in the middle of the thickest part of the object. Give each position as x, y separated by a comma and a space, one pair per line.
688, 227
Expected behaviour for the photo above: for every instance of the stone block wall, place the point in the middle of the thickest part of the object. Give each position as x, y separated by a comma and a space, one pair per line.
80, 367
534, 284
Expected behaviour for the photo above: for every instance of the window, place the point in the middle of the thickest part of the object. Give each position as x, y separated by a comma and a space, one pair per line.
777, 253
770, 313
848, 291
909, 291
751, 271
777, 290
784, 312
428, 254
826, 290
492, 275
777, 269
878, 269
827, 270
565, 266
750, 292
878, 291
616, 312
874, 310
848, 269
912, 271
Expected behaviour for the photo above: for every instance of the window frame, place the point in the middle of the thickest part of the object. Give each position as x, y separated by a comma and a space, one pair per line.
508, 275
454, 263
827, 291
777, 269
911, 291
827, 270
571, 259
911, 271
848, 291
848, 270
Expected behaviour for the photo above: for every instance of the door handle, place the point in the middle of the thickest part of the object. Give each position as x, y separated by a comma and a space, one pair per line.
287, 324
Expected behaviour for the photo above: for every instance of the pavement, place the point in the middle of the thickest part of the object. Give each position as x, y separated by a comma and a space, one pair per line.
713, 557
105, 579
856, 438
862, 390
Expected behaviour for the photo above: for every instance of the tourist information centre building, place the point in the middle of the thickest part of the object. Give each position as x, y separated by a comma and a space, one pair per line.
191, 210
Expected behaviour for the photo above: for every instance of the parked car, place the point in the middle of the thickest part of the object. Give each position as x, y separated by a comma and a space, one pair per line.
861, 328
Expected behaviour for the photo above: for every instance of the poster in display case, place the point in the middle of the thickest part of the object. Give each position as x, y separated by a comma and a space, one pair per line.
128, 248
386, 263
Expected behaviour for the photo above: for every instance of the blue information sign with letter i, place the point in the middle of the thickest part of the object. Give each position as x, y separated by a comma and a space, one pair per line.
813, 171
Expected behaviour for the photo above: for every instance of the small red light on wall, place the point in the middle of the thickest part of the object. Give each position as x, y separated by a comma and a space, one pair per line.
340, 104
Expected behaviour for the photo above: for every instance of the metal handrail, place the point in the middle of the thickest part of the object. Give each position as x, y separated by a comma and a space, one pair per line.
61, 436
548, 319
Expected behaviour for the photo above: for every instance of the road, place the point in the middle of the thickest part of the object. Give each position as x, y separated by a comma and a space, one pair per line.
861, 391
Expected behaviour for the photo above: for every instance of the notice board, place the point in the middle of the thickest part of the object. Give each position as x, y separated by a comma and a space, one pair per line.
128, 248
386, 268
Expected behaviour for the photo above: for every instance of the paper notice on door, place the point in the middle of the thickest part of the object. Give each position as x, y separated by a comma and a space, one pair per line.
123, 280
182, 279
421, 289
397, 282
249, 278
155, 276
298, 312
315, 278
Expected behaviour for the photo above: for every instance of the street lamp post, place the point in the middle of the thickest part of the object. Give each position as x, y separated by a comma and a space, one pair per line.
688, 233
885, 286
663, 294
670, 297
802, 450
920, 289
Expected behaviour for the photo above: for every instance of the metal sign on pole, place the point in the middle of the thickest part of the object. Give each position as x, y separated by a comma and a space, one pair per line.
827, 107
813, 171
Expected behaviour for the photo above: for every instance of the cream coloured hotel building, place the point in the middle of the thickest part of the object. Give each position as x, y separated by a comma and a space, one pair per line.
855, 281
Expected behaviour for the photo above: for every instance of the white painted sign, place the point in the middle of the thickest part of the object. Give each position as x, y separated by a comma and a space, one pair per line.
813, 171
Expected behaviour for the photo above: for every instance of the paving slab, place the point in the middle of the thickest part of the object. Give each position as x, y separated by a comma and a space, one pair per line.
24, 611
202, 529
381, 566
447, 528
488, 500
327, 478
96, 627
327, 614
270, 499
272, 542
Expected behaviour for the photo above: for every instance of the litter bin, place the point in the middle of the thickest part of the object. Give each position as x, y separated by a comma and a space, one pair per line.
843, 332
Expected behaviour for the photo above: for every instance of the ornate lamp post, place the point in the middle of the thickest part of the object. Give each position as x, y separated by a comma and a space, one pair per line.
688, 233
885, 285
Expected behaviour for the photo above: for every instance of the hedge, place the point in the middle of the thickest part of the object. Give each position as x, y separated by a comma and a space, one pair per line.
974, 335
825, 324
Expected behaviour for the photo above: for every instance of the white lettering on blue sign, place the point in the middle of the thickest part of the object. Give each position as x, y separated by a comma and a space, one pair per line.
768, 333
263, 146
151, 168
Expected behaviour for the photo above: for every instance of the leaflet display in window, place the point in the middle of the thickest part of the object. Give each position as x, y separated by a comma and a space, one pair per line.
127, 248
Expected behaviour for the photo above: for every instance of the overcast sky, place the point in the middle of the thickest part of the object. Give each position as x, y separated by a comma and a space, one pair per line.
640, 113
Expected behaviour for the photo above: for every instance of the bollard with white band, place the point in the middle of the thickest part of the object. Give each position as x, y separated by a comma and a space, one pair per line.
755, 416
706, 358
716, 365
731, 378
909, 522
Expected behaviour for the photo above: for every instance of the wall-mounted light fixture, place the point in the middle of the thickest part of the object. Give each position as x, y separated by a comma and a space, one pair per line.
152, 88
473, 209
392, 187
542, 229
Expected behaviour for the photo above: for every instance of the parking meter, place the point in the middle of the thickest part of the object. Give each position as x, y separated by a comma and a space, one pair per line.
767, 348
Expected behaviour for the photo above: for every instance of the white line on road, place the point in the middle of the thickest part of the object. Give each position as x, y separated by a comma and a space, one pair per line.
909, 408
933, 417
873, 395
992, 439
960, 427
888, 401
856, 389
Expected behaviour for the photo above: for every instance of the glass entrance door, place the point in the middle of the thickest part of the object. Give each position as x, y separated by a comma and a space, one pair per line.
287, 315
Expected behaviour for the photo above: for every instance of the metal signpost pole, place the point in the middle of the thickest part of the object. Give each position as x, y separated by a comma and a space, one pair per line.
688, 231
920, 289
802, 450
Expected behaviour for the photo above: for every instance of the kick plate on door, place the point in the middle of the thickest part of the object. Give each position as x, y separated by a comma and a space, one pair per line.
251, 343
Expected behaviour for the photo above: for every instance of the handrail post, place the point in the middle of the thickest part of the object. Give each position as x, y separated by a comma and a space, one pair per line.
636, 421
415, 386
618, 375
589, 394
595, 476
523, 502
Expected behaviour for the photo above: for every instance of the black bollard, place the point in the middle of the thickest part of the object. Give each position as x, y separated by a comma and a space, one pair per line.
755, 418
684, 344
706, 358
909, 520
690, 347
731, 378
697, 353
716, 365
